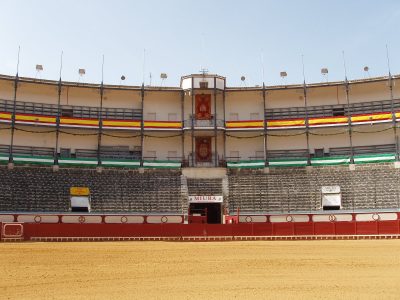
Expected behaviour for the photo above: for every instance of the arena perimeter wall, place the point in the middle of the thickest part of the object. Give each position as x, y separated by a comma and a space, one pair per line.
43, 231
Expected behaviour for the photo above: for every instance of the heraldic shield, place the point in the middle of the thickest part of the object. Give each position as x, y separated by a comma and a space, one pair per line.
203, 107
203, 149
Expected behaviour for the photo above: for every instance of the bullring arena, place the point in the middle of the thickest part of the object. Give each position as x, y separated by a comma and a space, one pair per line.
201, 190
366, 269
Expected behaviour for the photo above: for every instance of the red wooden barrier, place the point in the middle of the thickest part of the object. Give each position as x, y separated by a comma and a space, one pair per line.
32, 230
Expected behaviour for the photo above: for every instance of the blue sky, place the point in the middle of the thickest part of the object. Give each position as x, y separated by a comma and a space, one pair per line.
180, 37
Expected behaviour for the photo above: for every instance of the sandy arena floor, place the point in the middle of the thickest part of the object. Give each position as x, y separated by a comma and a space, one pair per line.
227, 270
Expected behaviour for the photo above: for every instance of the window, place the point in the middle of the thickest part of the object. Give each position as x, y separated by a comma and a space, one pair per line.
203, 84
172, 117
67, 112
319, 152
260, 154
254, 116
338, 111
233, 117
234, 155
151, 155
172, 155
65, 152
151, 116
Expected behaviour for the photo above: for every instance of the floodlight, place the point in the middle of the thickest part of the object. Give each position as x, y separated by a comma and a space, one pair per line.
324, 71
366, 72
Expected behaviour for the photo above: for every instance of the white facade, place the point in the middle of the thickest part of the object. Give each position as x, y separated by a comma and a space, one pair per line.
168, 123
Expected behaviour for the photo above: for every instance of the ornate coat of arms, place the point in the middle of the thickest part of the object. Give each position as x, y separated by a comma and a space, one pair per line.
203, 107
203, 149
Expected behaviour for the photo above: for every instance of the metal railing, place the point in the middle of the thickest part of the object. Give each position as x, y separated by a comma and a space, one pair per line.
204, 123
70, 110
174, 158
358, 150
331, 110
297, 153
27, 150
215, 160
106, 152
233, 158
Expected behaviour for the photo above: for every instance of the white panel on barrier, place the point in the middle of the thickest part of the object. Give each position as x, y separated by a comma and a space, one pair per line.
124, 219
37, 219
376, 217
322, 218
388, 216
164, 219
366, 217
300, 218
252, 219
81, 219
343, 218
278, 219
289, 218
332, 218
6, 218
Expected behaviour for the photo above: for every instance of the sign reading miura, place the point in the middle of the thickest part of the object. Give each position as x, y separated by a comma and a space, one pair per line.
206, 199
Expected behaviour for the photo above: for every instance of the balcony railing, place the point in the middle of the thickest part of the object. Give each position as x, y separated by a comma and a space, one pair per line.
359, 150
70, 110
215, 160
233, 158
136, 114
110, 153
27, 150
106, 152
297, 153
204, 123
331, 110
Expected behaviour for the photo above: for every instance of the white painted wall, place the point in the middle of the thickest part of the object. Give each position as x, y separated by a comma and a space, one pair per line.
162, 104
40, 93
244, 103
247, 147
162, 145
122, 99
6, 90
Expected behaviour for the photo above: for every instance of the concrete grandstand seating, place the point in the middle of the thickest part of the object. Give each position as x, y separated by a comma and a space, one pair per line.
372, 186
41, 189
204, 187
368, 187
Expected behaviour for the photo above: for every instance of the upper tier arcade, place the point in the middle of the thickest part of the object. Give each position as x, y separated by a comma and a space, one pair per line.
201, 123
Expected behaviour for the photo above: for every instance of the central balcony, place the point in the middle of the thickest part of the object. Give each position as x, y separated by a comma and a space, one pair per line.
204, 124
215, 161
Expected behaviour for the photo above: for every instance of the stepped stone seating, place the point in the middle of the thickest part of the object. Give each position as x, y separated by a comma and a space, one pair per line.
204, 187
288, 190
40, 189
